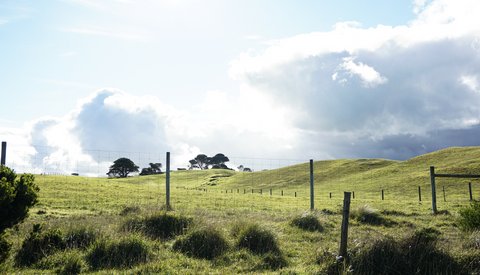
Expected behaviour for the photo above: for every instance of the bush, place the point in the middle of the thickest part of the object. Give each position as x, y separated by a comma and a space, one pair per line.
307, 221
16, 197
256, 239
122, 253
206, 243
5, 247
38, 245
161, 225
470, 217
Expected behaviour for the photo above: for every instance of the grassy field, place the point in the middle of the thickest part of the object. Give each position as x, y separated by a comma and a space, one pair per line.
225, 200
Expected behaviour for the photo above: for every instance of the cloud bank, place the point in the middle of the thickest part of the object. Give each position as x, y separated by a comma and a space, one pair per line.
383, 92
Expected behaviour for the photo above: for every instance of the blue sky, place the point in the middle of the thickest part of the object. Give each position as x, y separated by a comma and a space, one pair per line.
274, 79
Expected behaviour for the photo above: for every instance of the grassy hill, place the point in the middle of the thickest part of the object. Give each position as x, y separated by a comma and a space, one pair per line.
223, 199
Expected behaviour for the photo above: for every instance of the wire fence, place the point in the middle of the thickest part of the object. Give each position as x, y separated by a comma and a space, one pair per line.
270, 180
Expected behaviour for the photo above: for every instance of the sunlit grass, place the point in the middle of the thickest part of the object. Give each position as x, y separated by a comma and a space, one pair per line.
222, 199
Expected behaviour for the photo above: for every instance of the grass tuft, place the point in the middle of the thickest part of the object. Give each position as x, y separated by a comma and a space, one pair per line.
161, 225
125, 252
256, 239
416, 254
38, 245
307, 221
206, 243
470, 217
80, 237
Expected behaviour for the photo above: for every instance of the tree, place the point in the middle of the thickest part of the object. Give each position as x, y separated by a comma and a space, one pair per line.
122, 167
155, 168
219, 161
201, 162
16, 197
241, 168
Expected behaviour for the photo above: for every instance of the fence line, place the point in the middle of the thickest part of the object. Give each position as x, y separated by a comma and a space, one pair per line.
330, 184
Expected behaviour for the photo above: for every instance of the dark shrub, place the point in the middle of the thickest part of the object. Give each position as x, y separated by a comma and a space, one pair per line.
307, 221
39, 244
206, 243
4, 247
257, 239
159, 225
470, 217
122, 253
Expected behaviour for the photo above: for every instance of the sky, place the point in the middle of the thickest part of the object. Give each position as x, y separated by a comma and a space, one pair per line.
251, 79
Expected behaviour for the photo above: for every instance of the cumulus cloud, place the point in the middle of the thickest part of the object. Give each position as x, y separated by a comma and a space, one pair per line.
111, 123
388, 92
383, 83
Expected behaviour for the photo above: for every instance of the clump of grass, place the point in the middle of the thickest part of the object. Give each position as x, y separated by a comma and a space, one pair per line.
80, 237
39, 244
366, 214
129, 209
67, 262
470, 217
206, 243
256, 239
120, 253
473, 240
307, 221
416, 254
161, 225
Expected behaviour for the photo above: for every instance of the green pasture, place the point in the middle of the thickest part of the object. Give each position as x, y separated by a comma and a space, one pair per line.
223, 198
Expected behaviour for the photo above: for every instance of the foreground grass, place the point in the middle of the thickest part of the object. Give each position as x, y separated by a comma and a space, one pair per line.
217, 203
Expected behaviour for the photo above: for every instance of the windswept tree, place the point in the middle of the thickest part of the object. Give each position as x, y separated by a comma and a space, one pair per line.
218, 161
155, 168
201, 162
241, 168
122, 167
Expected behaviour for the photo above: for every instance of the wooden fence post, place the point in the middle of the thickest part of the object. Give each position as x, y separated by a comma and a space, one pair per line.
270, 192
470, 190
444, 198
167, 179
311, 186
344, 230
382, 195
4, 153
419, 194
434, 192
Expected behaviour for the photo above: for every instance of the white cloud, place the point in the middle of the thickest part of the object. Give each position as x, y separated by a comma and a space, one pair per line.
369, 76
395, 81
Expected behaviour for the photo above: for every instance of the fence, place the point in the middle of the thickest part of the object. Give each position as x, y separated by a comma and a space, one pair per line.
368, 180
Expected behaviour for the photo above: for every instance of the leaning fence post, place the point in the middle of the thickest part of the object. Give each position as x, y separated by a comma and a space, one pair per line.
470, 190
434, 192
4, 153
311, 186
168, 182
344, 230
